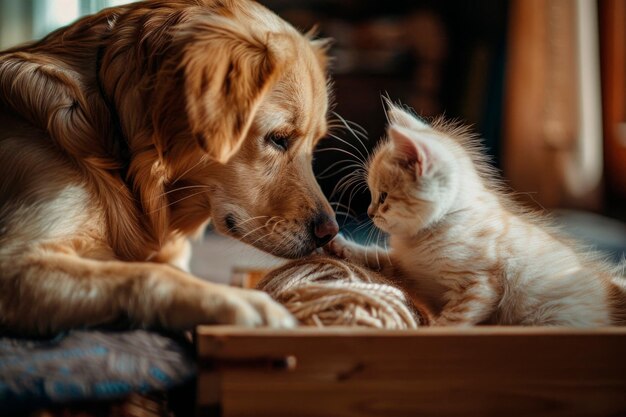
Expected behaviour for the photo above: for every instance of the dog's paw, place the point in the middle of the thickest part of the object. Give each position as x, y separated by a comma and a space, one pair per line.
339, 247
253, 308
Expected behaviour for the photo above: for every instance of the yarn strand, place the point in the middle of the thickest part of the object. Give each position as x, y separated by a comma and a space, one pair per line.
322, 291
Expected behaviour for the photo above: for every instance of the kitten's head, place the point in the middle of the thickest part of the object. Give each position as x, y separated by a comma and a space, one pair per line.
413, 176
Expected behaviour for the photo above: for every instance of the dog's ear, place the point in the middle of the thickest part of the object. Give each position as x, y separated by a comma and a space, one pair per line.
320, 47
227, 71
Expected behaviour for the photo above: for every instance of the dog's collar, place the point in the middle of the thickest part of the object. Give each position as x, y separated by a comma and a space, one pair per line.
122, 148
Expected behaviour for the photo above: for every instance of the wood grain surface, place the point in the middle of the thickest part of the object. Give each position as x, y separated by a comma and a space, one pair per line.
428, 372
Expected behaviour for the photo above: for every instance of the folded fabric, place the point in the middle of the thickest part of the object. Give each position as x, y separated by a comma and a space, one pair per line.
89, 365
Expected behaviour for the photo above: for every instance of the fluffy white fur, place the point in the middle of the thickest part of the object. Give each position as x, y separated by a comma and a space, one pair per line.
458, 242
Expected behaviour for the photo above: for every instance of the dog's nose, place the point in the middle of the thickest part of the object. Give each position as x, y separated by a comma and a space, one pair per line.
324, 229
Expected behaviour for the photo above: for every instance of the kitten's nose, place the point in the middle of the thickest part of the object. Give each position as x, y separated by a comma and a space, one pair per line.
324, 228
371, 212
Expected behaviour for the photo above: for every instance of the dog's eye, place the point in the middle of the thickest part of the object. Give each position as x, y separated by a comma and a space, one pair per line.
382, 198
280, 142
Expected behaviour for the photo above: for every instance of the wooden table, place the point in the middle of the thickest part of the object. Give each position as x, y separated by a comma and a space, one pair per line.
499, 371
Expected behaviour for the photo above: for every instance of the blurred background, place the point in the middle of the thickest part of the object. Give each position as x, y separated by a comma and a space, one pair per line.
542, 82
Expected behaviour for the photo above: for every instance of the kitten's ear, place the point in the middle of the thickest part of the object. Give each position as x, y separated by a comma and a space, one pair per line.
410, 152
401, 117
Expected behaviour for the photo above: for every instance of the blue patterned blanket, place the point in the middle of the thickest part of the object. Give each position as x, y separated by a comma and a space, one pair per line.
89, 365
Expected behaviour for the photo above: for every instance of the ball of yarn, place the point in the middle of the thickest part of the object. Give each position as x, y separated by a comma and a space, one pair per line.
323, 291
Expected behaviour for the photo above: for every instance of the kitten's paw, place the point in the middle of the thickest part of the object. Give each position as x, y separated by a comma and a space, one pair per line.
339, 247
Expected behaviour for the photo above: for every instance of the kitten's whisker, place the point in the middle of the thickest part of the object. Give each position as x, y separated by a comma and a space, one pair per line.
377, 248
338, 204
349, 129
358, 129
361, 188
362, 159
349, 206
370, 237
355, 190
386, 247
351, 166
363, 226
348, 179
339, 123
324, 172
343, 183
351, 196
348, 234
334, 149
345, 214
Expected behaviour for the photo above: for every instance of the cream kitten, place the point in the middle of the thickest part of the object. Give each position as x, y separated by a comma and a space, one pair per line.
458, 243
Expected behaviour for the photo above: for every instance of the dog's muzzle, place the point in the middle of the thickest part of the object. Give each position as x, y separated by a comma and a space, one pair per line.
323, 229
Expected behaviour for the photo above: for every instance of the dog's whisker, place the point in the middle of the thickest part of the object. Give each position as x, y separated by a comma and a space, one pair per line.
200, 160
180, 189
252, 231
266, 224
175, 202
286, 241
261, 238
241, 223
271, 232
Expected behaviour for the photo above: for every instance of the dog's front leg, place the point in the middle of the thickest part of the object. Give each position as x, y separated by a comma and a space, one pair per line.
48, 292
176, 252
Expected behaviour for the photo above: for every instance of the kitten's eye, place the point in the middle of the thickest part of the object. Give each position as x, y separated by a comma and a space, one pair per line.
382, 198
279, 141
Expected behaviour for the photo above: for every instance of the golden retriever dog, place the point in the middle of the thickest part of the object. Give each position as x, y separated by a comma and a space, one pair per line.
125, 133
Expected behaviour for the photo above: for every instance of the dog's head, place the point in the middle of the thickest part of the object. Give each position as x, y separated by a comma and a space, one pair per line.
255, 99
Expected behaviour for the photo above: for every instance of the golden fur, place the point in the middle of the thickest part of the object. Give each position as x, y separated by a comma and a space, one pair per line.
127, 131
